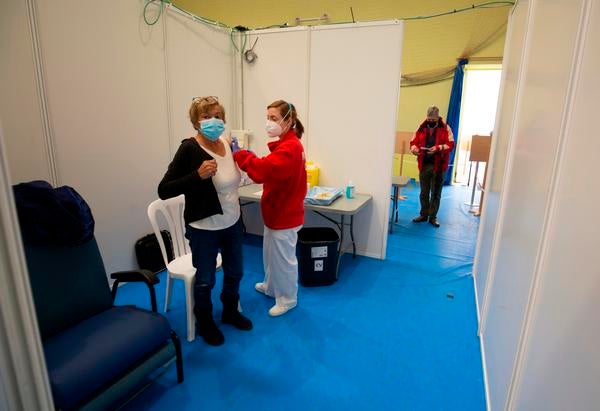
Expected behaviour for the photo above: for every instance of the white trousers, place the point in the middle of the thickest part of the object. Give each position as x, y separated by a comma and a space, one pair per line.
281, 265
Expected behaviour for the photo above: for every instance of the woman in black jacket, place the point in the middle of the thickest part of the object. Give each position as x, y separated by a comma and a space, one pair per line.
204, 171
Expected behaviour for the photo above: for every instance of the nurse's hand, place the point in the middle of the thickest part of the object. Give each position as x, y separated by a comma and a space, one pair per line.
235, 147
207, 169
414, 150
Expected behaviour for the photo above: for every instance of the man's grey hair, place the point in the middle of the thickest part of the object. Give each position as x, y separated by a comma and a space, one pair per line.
433, 111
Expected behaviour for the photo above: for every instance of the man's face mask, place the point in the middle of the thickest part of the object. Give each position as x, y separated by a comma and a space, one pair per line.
432, 123
212, 128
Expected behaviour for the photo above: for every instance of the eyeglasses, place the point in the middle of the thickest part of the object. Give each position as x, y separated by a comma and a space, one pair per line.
208, 99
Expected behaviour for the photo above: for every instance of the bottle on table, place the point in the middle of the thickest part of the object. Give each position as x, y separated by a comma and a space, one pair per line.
350, 189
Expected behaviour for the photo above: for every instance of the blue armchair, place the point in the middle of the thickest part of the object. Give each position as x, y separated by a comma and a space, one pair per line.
97, 355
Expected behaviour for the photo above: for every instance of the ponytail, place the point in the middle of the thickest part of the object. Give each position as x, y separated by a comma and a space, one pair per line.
298, 127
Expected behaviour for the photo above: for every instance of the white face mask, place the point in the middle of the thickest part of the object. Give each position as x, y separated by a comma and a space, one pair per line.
273, 129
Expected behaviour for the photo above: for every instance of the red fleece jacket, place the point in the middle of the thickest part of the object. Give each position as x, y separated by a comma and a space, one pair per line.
283, 175
444, 142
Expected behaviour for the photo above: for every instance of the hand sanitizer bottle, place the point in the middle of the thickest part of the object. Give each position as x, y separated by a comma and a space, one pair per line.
350, 189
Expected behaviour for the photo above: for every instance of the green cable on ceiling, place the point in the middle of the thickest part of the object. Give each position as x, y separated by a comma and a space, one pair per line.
160, 11
204, 20
486, 5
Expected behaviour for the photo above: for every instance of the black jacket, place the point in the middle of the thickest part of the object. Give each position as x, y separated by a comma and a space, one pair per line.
201, 199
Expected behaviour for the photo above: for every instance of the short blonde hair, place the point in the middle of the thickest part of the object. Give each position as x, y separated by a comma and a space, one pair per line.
202, 105
433, 111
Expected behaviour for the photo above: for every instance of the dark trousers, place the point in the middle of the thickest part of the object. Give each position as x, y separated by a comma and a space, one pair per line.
431, 190
205, 245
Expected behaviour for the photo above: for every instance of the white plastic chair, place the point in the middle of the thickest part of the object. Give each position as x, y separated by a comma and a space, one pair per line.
180, 266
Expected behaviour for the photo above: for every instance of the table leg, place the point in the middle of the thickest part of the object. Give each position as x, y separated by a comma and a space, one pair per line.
470, 169
472, 203
352, 234
340, 248
400, 196
396, 193
393, 213
341, 235
474, 183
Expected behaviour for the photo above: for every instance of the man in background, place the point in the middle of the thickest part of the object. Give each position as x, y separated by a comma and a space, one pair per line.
432, 143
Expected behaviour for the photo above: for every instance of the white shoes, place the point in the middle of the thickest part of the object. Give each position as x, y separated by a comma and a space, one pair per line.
261, 288
278, 310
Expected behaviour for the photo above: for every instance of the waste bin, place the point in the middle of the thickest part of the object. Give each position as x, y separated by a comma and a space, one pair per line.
317, 253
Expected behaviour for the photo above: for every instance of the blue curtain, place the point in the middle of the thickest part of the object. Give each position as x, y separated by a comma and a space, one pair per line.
454, 113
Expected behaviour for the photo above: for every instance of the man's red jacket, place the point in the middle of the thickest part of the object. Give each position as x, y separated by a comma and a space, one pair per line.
444, 143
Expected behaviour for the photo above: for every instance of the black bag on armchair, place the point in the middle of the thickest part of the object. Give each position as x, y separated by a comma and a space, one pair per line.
52, 216
147, 252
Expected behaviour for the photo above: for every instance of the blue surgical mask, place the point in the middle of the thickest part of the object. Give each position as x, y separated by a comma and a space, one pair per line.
212, 128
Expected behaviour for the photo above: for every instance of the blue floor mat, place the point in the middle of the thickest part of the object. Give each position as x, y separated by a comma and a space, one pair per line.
394, 334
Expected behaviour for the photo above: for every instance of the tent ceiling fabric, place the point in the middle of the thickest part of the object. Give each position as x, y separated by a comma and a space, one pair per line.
431, 45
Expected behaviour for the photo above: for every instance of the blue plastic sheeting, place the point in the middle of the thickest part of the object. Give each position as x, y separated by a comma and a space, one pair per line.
398, 334
322, 195
426, 255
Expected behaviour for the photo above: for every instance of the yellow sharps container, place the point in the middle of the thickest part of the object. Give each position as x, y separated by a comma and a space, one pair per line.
312, 174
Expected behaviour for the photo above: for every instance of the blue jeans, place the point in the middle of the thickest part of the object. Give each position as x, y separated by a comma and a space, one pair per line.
205, 245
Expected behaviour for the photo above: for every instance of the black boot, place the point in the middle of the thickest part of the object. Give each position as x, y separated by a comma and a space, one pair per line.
232, 316
206, 327
434, 222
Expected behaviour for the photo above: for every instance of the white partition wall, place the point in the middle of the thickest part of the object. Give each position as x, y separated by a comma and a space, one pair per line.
561, 359
19, 97
346, 94
105, 81
199, 63
24, 381
511, 70
118, 93
539, 327
279, 73
353, 100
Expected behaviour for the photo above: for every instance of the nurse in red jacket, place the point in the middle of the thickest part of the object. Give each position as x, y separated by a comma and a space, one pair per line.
283, 175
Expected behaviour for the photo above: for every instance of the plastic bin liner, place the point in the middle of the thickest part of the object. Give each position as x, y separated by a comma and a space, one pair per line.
317, 252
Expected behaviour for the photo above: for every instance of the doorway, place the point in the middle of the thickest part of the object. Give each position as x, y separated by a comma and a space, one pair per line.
477, 117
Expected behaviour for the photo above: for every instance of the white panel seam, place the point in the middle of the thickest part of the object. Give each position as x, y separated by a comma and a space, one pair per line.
308, 62
47, 129
167, 81
543, 250
238, 86
242, 92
